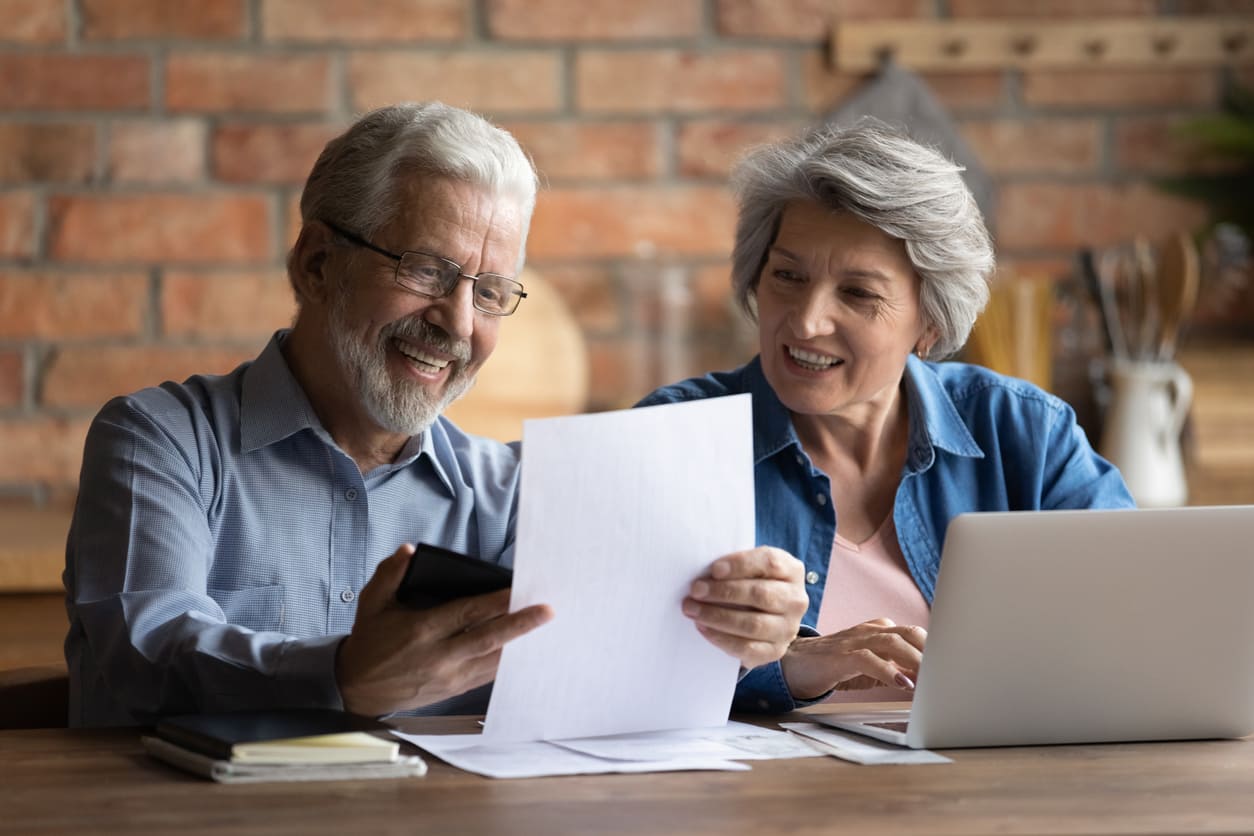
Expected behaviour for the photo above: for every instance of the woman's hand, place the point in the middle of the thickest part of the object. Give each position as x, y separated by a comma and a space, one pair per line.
750, 604
867, 655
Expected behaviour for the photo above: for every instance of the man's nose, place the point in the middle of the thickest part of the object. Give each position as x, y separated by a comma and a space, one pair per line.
455, 313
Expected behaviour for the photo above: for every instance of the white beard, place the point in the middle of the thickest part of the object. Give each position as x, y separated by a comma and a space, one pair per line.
402, 407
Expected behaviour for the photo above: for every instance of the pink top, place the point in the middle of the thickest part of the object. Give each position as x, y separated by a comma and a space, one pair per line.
866, 581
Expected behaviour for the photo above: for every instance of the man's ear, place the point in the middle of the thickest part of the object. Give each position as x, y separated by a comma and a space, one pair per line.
308, 267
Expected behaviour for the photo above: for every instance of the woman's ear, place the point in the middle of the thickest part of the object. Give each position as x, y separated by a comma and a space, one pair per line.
308, 266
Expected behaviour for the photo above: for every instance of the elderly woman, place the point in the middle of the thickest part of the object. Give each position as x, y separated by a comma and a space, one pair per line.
864, 260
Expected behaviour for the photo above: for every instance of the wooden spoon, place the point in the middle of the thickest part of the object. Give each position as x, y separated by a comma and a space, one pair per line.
1177, 288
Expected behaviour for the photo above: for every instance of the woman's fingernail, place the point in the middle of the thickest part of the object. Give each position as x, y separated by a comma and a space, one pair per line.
690, 607
700, 589
904, 681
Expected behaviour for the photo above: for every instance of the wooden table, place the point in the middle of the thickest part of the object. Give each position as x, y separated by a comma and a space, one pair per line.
100, 781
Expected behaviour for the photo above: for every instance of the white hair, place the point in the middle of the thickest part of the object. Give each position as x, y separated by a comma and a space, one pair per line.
355, 182
905, 189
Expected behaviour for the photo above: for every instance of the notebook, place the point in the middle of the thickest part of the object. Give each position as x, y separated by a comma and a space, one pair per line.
1084, 627
309, 735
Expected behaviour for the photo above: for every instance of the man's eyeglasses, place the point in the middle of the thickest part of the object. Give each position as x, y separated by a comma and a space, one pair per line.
436, 277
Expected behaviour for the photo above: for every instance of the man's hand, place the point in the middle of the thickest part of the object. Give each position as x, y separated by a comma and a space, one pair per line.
398, 658
750, 604
867, 655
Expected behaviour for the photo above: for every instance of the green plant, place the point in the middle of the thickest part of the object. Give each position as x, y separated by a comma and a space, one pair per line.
1227, 138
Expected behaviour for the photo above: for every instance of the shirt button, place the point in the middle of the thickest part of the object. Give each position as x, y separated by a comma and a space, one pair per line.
350, 494
764, 704
820, 498
347, 596
812, 577
800, 460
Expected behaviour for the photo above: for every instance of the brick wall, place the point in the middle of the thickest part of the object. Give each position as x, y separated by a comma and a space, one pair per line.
152, 152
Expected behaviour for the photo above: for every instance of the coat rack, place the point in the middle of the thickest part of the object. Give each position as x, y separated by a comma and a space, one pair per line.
858, 46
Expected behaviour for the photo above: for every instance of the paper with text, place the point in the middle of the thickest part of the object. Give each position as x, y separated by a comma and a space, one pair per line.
619, 512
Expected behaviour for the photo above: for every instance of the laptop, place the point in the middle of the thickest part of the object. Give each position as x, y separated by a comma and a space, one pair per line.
1084, 627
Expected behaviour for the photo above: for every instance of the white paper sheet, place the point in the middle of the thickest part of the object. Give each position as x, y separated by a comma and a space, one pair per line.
858, 749
734, 741
537, 758
619, 512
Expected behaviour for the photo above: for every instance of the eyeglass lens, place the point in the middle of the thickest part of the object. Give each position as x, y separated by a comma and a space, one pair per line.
433, 276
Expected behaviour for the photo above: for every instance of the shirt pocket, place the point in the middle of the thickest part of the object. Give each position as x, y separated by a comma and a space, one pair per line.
259, 608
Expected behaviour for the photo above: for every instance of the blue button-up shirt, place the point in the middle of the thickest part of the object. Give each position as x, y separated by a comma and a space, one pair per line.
221, 539
978, 441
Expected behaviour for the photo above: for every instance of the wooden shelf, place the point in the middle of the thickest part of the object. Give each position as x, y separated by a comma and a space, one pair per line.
861, 46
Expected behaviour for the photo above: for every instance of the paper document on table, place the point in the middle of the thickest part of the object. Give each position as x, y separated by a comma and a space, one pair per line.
536, 758
734, 741
858, 749
619, 512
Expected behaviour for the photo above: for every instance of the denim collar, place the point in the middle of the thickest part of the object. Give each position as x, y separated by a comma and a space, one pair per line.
934, 420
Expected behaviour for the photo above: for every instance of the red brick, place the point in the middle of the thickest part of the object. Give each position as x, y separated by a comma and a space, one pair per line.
671, 80
32, 22
708, 148
159, 227
1037, 216
591, 150
42, 449
617, 372
107, 20
228, 305
291, 216
48, 305
89, 376
1051, 9
632, 221
591, 291
807, 20
611, 20
12, 378
714, 307
268, 153
73, 82
1160, 145
17, 224
48, 152
348, 21
213, 81
1035, 146
498, 81
1057, 269
1121, 88
171, 151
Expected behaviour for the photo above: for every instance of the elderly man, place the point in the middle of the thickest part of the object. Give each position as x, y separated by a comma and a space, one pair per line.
238, 540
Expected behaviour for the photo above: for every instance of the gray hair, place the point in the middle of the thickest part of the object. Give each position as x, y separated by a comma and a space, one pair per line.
355, 181
903, 188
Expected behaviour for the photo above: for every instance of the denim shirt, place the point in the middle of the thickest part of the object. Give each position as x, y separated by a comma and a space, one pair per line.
978, 441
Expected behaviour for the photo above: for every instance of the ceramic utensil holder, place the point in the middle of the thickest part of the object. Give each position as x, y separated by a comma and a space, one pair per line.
1148, 405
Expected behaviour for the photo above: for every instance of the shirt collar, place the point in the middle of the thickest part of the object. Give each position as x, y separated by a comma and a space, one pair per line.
770, 416
273, 406
934, 420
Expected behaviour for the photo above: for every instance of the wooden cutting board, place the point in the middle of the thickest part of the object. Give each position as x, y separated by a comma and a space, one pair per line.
539, 368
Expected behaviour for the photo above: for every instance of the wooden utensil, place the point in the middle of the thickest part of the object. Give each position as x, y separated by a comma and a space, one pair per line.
1177, 289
